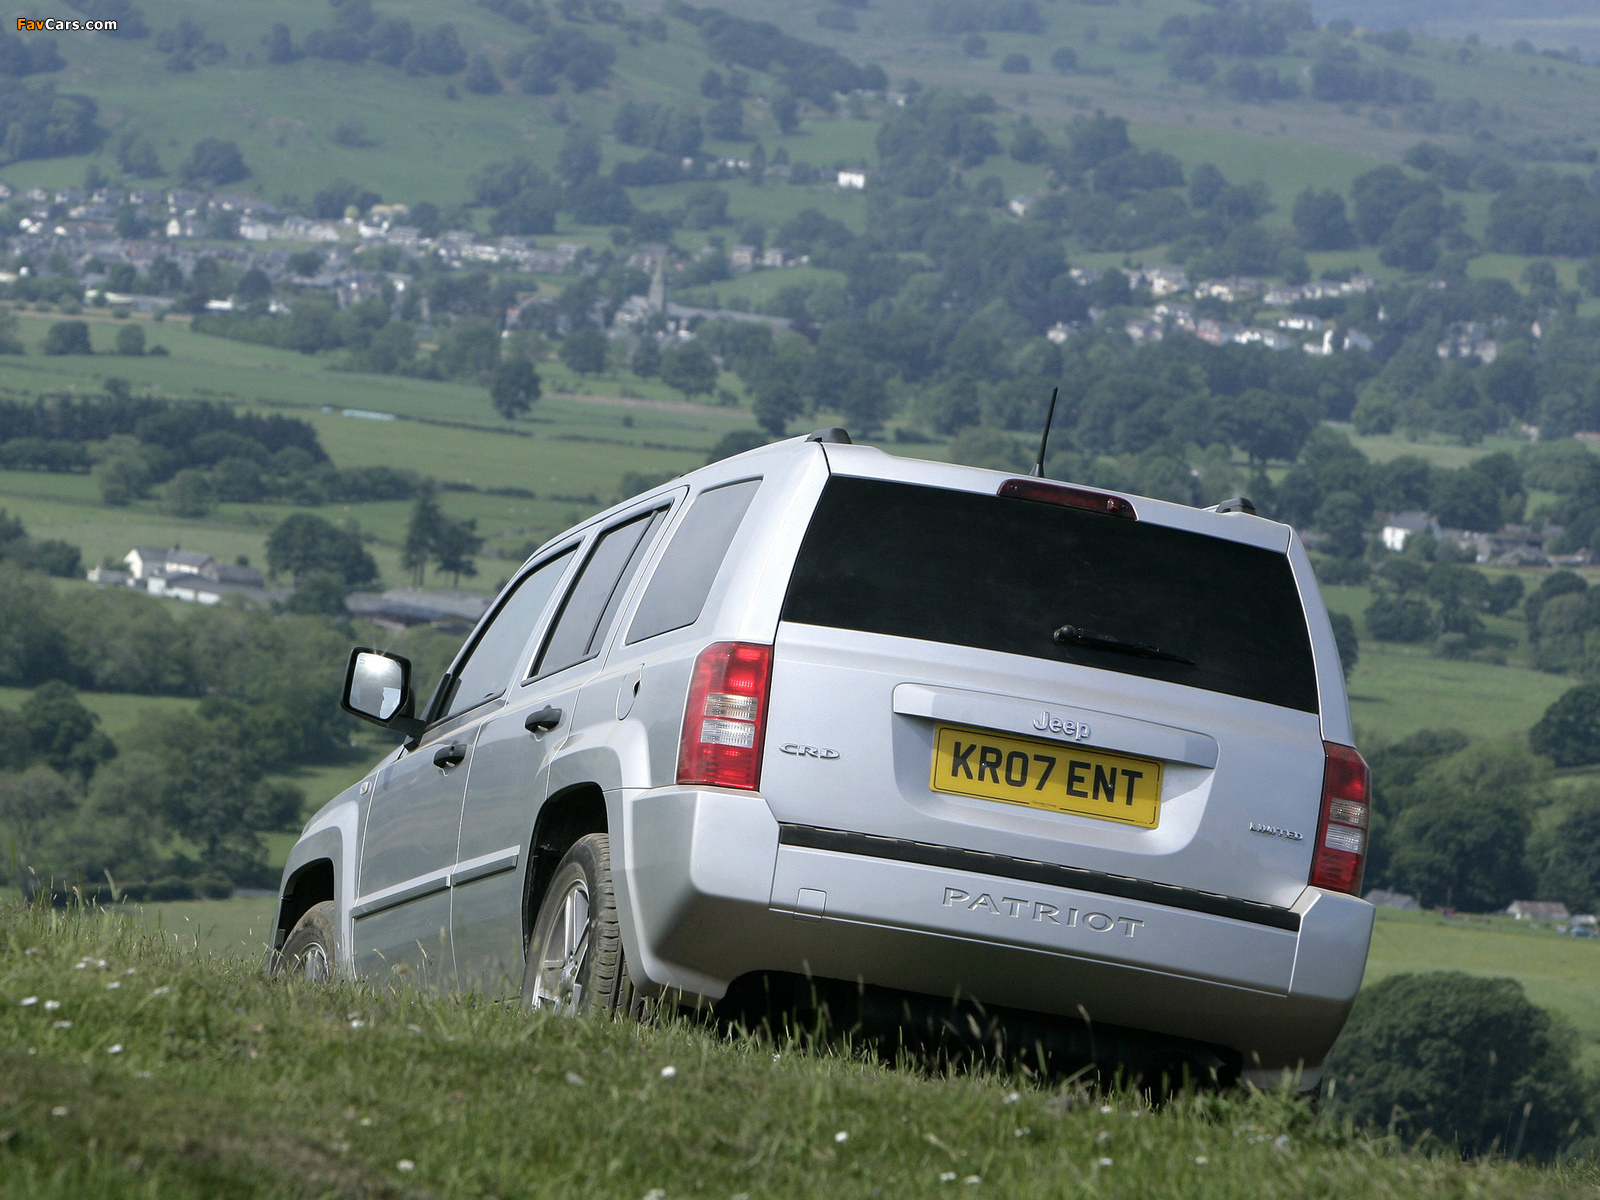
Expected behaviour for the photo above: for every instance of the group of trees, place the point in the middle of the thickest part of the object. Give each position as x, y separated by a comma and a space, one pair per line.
804, 69
1462, 1064
1453, 824
203, 452
49, 555
359, 34
30, 56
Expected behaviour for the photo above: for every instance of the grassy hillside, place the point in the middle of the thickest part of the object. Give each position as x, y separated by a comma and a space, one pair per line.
421, 145
180, 1075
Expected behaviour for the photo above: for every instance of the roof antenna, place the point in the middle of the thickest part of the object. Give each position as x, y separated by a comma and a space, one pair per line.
1044, 438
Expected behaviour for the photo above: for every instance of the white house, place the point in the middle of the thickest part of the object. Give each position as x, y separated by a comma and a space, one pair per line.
1401, 527
189, 575
853, 179
1538, 910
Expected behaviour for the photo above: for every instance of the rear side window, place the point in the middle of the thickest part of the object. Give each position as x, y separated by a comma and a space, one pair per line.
682, 580
1004, 574
592, 603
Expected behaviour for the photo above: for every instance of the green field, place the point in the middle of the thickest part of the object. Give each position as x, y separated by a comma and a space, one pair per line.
1559, 972
1396, 689
154, 1071
568, 449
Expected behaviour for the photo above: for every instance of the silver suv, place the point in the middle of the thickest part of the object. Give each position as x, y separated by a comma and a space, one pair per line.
824, 711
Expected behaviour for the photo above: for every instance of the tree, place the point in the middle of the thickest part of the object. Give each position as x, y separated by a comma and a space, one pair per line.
580, 156
122, 473
201, 772
1458, 1059
130, 340
1400, 619
481, 79
1342, 517
421, 532
725, 119
1467, 499
735, 441
303, 543
1568, 733
1269, 427
61, 731
306, 263
454, 544
515, 387
1320, 221
318, 592
280, 49
1344, 636
646, 360
1570, 870
67, 337
31, 804
1460, 839
189, 494
786, 111
215, 162
991, 448
689, 369
10, 343
253, 285
584, 350
777, 397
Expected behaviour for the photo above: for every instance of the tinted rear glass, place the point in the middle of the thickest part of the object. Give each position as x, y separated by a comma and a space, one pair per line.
689, 565
1005, 574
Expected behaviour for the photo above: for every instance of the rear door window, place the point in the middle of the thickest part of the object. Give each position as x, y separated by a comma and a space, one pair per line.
591, 604
689, 565
493, 658
1004, 574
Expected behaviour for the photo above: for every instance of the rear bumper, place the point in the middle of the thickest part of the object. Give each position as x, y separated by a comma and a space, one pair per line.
715, 888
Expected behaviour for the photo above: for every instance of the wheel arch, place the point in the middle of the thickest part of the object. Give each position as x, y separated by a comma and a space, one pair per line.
574, 812
312, 883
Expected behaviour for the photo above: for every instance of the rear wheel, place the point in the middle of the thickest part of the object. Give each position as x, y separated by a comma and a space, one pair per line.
311, 950
575, 959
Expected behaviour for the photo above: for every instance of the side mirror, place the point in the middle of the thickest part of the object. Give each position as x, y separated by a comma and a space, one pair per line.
377, 688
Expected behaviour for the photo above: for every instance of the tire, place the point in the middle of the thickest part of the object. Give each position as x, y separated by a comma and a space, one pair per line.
311, 951
575, 960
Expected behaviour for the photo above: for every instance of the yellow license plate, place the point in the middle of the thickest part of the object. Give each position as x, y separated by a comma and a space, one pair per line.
1054, 776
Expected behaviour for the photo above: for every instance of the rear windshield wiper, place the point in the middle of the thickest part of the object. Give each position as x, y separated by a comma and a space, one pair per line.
1071, 635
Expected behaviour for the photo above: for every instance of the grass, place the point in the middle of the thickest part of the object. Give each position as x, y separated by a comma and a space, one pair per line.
568, 449
1397, 689
223, 1082
1559, 972
118, 711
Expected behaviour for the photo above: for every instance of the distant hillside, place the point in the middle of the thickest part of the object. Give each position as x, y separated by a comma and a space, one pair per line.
1552, 24
408, 99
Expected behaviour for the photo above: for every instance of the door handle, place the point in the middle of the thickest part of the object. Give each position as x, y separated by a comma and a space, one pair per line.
450, 755
545, 719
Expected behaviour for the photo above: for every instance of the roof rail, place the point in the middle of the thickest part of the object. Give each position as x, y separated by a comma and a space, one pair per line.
834, 434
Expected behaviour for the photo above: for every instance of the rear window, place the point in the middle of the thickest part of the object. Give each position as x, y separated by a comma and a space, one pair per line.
690, 563
1004, 574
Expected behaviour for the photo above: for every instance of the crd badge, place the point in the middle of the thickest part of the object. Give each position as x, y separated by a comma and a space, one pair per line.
808, 751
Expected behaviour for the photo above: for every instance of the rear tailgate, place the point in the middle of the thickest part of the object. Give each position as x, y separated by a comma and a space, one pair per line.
918, 693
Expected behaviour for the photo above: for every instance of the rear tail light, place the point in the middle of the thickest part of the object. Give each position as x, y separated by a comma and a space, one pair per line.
1341, 850
725, 720
1041, 492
